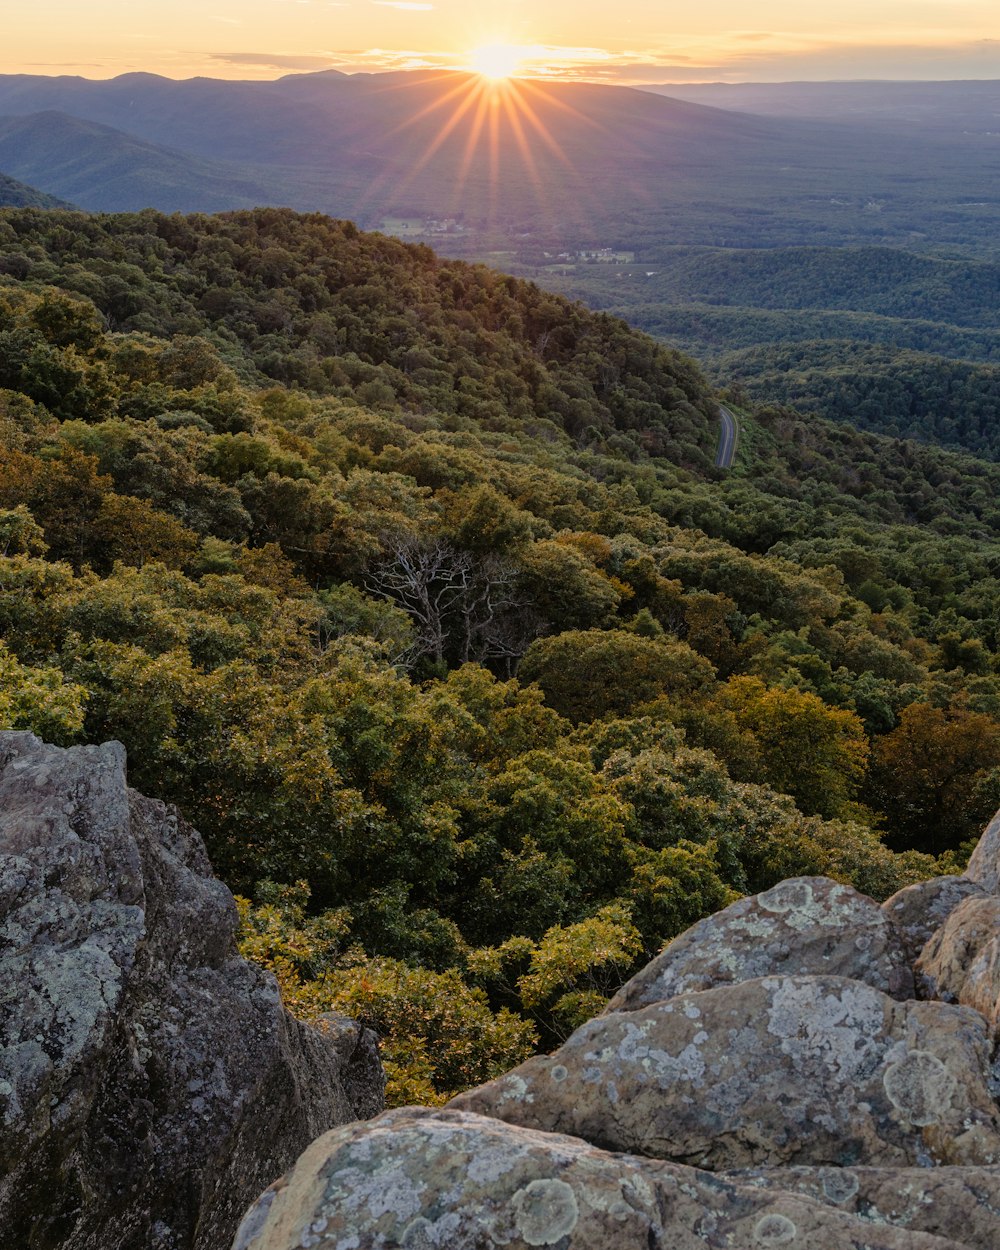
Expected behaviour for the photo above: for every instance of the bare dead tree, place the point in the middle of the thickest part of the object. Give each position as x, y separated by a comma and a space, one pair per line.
464, 605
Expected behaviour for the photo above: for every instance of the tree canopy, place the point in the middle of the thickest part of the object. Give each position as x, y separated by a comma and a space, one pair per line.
416, 589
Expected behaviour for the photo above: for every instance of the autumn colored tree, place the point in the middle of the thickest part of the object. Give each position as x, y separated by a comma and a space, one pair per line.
933, 776
134, 532
63, 492
817, 754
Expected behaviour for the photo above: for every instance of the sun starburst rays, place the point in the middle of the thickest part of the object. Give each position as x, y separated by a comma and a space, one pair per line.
492, 128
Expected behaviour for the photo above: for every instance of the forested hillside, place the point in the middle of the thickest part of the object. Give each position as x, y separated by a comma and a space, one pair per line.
104, 168
882, 281
414, 586
882, 338
14, 194
908, 394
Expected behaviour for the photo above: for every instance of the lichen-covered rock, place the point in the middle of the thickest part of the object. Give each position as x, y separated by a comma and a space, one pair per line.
808, 1070
150, 1081
961, 962
803, 925
984, 866
963, 1203
420, 1180
920, 909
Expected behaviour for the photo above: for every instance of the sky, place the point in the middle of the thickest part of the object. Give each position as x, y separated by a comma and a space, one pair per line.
632, 41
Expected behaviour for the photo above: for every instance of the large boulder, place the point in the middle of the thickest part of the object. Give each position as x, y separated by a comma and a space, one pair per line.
803, 925
422, 1180
984, 866
919, 910
961, 962
150, 1081
782, 1070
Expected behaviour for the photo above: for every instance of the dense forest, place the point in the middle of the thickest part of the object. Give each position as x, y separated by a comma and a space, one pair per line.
413, 585
882, 338
713, 333
882, 281
907, 394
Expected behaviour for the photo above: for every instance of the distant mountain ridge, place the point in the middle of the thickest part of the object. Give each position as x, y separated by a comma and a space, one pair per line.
581, 163
964, 106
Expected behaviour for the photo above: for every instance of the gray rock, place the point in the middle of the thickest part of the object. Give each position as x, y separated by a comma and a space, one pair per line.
420, 1180
920, 909
961, 962
803, 925
782, 1070
963, 1203
150, 1081
984, 866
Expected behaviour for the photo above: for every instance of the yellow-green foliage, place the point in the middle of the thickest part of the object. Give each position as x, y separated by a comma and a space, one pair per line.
415, 584
437, 1034
568, 974
39, 699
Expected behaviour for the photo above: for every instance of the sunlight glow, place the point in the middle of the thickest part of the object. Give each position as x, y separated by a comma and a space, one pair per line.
496, 61
497, 128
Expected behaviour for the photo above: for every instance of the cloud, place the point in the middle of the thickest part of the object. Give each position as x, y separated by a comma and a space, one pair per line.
274, 60
64, 64
378, 60
628, 72
745, 56
748, 56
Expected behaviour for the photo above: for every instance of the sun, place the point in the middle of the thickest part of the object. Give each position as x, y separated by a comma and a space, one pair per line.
496, 61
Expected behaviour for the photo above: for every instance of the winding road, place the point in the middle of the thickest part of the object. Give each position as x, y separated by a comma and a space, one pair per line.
729, 436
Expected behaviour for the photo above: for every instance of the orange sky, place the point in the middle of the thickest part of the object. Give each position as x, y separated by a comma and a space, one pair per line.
633, 41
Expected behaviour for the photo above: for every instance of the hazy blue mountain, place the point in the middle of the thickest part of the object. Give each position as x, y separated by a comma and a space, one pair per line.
103, 169
563, 163
964, 108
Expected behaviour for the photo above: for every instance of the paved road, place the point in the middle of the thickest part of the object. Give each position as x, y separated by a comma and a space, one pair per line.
729, 436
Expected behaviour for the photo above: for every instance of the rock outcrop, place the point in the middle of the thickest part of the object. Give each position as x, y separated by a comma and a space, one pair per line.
948, 1202
961, 962
984, 865
450, 1180
150, 1081
804, 925
919, 910
819, 1070
777, 1077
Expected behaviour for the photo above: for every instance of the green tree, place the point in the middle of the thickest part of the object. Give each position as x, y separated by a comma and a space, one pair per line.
587, 674
40, 699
